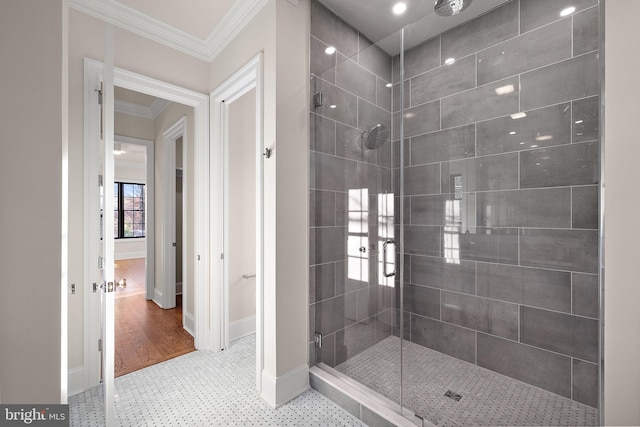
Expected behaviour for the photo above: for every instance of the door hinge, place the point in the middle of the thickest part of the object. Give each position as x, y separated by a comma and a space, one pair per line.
99, 94
95, 287
174, 244
100, 181
317, 339
99, 344
221, 256
100, 263
198, 257
317, 100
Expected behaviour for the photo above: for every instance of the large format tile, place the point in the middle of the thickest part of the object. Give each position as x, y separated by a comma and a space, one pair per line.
584, 201
430, 210
370, 115
444, 81
384, 94
550, 208
449, 144
419, 59
492, 100
585, 382
323, 134
485, 315
423, 240
322, 208
564, 81
549, 371
489, 29
570, 250
328, 27
498, 172
424, 118
331, 315
349, 144
563, 333
487, 244
374, 59
324, 278
586, 295
422, 300
529, 286
354, 339
438, 273
375, 178
575, 164
448, 339
585, 119
526, 52
505, 134
355, 79
535, 13
334, 173
585, 31
329, 244
320, 63
423, 179
344, 104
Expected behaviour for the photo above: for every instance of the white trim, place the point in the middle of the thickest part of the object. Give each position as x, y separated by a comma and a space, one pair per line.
246, 78
188, 323
242, 328
158, 106
278, 391
158, 297
76, 380
240, 14
200, 104
130, 255
132, 109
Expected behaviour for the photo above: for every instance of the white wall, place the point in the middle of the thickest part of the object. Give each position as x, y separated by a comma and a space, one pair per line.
622, 175
242, 207
33, 119
132, 52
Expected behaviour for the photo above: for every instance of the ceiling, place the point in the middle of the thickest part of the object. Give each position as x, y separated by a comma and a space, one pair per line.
375, 20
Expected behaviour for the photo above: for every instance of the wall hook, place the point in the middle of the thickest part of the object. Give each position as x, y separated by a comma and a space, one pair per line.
267, 152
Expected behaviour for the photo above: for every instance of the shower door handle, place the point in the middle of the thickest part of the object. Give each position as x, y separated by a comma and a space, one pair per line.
384, 261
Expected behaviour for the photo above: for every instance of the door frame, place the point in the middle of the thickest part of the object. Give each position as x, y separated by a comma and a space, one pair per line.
93, 71
242, 81
166, 298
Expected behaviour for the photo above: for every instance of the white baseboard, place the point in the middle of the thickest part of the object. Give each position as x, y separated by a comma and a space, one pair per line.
157, 297
189, 323
241, 328
76, 380
129, 255
278, 391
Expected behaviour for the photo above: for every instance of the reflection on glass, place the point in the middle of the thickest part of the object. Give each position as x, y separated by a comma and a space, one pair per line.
386, 232
358, 235
453, 223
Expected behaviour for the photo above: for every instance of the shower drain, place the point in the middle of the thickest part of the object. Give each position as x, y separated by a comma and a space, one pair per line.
452, 395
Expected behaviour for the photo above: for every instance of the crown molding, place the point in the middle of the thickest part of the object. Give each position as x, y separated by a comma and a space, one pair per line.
133, 109
158, 106
137, 22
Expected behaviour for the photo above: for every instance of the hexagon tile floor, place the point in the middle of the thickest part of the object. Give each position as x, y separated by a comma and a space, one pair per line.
204, 389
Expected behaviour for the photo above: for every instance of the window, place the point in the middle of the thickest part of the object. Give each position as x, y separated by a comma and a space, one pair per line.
129, 210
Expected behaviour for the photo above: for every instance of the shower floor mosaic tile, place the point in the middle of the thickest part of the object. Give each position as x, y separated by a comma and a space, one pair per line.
204, 389
488, 398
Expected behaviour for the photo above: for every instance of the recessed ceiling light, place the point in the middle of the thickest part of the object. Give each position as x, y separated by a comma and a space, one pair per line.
522, 143
330, 50
579, 121
543, 137
450, 61
568, 11
332, 106
534, 146
512, 133
389, 85
519, 115
399, 8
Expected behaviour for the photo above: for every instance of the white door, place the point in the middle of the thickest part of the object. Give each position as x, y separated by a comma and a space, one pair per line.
107, 275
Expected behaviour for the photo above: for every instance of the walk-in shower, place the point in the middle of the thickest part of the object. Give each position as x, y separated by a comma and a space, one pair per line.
454, 210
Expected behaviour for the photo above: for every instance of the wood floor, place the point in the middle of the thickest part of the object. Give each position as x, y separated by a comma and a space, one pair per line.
145, 334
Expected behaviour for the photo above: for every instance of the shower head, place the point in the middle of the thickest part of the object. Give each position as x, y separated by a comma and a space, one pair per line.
375, 137
451, 7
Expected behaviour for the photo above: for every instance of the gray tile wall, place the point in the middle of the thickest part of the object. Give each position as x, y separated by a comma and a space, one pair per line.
501, 213
514, 286
348, 306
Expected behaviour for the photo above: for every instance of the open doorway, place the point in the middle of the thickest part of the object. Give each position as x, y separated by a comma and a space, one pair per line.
149, 323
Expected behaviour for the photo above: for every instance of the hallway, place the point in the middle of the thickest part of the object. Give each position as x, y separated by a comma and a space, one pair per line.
145, 334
